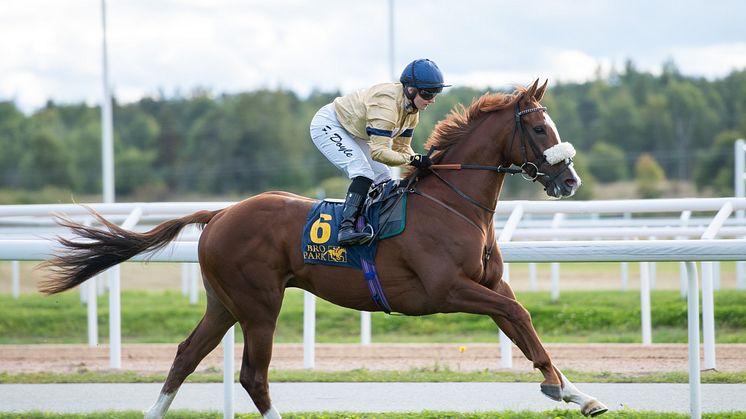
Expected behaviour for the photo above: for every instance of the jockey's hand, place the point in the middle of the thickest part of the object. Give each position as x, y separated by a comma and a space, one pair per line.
421, 162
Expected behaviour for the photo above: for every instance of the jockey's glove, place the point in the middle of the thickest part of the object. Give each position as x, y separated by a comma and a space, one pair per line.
421, 162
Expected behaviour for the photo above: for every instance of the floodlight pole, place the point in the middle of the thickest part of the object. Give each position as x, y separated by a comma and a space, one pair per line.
107, 163
107, 144
392, 70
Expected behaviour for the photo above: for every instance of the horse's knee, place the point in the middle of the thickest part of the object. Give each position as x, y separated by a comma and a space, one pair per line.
519, 315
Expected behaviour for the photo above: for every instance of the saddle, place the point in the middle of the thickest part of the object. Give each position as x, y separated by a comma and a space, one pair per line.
383, 216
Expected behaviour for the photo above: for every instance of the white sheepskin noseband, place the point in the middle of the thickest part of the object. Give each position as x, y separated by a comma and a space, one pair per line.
560, 152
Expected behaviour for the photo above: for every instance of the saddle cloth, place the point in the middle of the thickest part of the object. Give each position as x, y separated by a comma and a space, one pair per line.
384, 215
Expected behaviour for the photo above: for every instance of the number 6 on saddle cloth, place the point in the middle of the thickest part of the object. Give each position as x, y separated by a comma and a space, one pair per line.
383, 215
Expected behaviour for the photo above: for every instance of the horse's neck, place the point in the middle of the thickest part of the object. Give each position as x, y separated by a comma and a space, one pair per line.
485, 146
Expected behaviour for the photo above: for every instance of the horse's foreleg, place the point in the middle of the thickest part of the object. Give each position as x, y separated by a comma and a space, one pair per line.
550, 387
203, 339
511, 317
524, 341
566, 391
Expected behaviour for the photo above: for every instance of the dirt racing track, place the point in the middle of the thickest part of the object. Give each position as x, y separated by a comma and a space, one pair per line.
615, 358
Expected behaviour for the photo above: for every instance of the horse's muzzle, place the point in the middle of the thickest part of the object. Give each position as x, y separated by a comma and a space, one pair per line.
564, 185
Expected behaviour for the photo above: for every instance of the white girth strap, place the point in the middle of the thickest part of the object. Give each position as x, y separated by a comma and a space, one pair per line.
560, 152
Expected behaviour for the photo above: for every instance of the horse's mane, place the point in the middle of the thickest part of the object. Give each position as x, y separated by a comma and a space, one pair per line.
461, 120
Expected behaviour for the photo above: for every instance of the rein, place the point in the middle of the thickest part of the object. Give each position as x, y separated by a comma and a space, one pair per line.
498, 169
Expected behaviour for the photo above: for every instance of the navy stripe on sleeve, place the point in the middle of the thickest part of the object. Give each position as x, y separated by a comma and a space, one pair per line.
408, 132
379, 132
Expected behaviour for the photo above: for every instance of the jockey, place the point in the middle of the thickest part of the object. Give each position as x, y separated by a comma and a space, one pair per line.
366, 131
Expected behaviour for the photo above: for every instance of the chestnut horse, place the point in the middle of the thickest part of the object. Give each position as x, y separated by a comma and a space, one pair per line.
446, 260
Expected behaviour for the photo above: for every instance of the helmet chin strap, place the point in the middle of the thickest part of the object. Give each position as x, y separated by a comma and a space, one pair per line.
410, 95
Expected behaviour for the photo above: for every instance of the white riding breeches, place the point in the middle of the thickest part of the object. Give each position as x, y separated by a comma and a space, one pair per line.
349, 153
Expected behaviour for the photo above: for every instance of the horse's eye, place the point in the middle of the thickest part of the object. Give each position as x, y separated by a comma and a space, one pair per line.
539, 130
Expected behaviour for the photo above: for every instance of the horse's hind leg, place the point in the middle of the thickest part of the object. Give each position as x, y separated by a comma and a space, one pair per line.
203, 339
257, 353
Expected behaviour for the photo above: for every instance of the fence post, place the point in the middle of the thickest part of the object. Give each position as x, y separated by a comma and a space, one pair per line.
15, 278
115, 319
115, 303
228, 369
195, 274
532, 271
624, 266
740, 190
624, 272
184, 279
92, 311
532, 274
506, 345
684, 218
708, 304
365, 329
309, 330
708, 317
645, 303
695, 410
555, 266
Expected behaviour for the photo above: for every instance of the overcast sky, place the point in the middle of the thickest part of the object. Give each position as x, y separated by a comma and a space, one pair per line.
51, 49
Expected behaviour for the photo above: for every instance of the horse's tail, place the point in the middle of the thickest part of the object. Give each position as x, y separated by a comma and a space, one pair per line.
81, 260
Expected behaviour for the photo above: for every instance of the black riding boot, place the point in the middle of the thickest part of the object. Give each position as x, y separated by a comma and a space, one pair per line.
353, 205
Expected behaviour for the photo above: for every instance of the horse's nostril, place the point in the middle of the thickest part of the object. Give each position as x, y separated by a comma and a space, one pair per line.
571, 183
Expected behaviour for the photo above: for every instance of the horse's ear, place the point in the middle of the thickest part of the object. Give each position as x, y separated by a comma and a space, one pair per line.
531, 90
541, 90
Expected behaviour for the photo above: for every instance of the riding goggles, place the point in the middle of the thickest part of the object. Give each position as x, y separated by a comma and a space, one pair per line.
429, 94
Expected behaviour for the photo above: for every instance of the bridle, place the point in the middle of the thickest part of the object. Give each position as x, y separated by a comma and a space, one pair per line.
524, 169
540, 158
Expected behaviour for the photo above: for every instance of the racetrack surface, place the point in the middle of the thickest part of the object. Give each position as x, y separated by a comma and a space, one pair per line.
370, 397
156, 358
367, 397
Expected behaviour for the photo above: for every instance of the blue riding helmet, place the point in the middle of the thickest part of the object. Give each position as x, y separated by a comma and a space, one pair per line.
423, 74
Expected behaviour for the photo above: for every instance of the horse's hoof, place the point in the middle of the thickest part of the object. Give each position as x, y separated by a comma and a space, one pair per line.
553, 391
593, 408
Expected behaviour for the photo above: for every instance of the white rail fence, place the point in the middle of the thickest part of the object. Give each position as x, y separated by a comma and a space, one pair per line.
598, 220
566, 220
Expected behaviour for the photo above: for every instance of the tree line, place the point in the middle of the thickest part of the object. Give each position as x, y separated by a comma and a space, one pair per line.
202, 144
